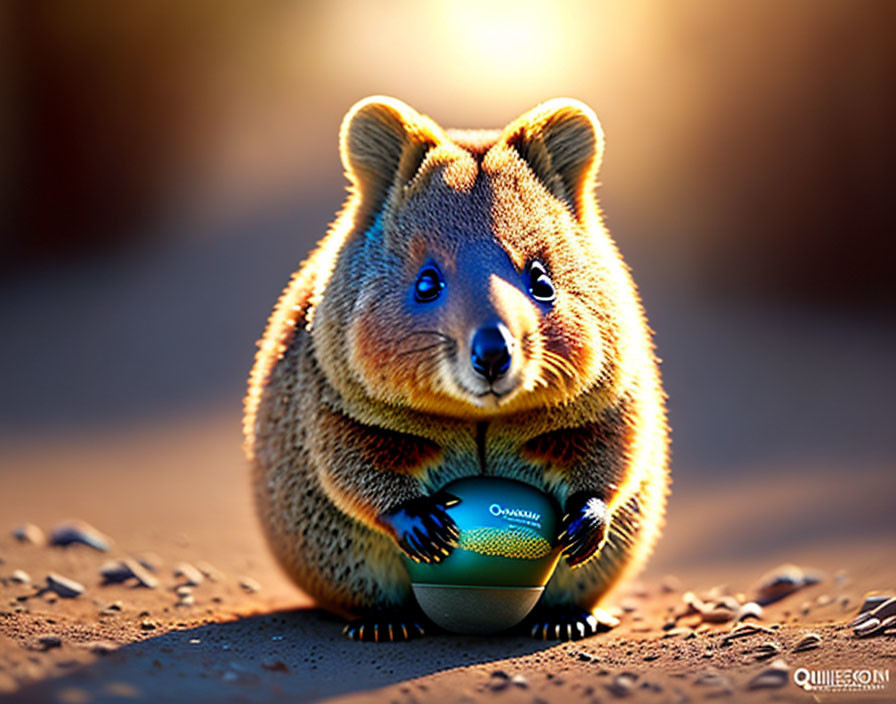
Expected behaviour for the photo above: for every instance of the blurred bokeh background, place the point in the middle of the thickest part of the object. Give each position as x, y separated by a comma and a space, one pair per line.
164, 167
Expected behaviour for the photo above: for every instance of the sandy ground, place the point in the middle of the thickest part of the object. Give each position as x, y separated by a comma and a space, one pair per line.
236, 643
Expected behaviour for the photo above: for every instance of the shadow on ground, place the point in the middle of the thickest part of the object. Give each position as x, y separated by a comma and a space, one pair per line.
297, 655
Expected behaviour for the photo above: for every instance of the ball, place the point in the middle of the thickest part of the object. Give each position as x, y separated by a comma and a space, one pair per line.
505, 556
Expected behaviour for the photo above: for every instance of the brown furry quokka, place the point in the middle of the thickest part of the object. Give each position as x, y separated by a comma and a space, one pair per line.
466, 314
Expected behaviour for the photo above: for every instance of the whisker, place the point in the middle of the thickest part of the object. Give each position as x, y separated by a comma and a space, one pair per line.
559, 362
417, 350
430, 332
428, 364
549, 364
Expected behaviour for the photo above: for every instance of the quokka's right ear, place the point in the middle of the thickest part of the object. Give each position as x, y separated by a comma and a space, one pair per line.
563, 143
383, 142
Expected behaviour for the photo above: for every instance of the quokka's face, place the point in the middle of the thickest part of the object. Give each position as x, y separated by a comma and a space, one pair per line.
480, 296
476, 279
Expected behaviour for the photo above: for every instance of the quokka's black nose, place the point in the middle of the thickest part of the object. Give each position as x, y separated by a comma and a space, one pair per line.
490, 351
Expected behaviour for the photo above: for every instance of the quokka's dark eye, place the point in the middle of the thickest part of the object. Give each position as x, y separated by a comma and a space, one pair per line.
541, 288
429, 284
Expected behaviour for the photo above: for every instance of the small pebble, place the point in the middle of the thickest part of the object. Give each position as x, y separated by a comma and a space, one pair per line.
844, 602
185, 596
149, 561
148, 625
274, 665
49, 641
211, 573
123, 690
718, 614
875, 625
249, 585
116, 571
678, 631
190, 574
654, 687
712, 679
29, 533
766, 650
693, 604
100, 647
141, 574
728, 602
809, 642
886, 609
519, 681
649, 657
860, 619
872, 601
670, 584
868, 627
73, 532
749, 610
774, 676
783, 581
623, 684
112, 609
498, 681
64, 587
20, 577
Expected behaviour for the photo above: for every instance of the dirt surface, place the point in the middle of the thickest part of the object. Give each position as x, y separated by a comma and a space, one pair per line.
251, 636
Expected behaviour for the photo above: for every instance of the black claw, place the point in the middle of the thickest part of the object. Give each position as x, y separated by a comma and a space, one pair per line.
422, 528
385, 625
584, 526
564, 623
446, 500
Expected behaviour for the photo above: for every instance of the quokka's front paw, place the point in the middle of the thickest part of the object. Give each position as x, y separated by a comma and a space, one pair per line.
423, 528
584, 527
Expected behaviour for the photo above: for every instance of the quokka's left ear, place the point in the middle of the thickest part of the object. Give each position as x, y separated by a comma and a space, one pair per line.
382, 142
562, 142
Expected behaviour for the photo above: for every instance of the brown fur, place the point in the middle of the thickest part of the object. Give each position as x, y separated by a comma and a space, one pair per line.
353, 408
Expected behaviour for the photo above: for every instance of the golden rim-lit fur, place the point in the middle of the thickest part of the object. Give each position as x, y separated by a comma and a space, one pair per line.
360, 398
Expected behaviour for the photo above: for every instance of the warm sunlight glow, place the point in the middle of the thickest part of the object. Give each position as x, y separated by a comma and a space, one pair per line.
472, 56
504, 40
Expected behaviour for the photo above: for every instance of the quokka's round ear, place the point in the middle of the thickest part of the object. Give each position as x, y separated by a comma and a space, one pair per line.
562, 142
384, 141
